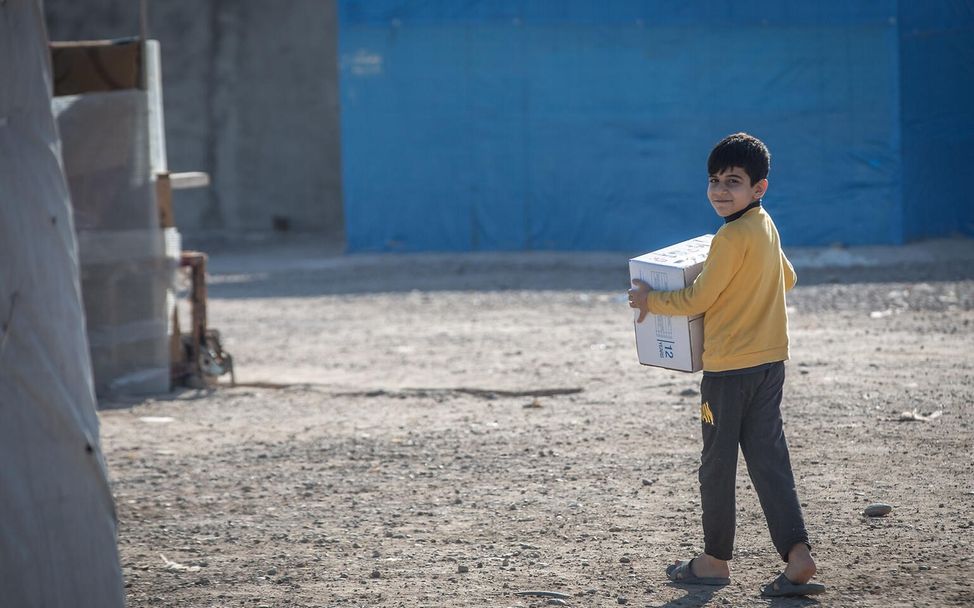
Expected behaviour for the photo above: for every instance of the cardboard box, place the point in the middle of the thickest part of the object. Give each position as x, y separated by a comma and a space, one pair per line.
671, 342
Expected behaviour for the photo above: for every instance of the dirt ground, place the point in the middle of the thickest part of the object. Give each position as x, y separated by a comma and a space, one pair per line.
455, 429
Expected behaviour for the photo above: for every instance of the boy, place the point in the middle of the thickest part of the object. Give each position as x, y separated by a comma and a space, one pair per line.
741, 290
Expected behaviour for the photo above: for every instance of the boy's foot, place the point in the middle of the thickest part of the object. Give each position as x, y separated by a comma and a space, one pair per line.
701, 570
793, 581
801, 565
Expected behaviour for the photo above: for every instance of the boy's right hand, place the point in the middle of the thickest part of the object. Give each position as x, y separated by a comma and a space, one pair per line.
637, 298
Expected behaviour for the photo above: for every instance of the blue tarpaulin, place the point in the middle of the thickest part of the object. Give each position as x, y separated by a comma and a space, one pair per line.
936, 43
519, 125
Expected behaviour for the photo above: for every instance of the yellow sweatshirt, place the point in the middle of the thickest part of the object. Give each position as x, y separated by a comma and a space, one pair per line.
741, 292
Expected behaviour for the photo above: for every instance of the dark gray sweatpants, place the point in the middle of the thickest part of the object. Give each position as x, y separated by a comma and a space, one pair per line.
745, 409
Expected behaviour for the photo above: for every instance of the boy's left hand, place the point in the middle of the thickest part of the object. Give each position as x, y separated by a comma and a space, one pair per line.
637, 298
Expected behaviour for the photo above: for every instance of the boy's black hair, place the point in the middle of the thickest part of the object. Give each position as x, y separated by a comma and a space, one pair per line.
740, 150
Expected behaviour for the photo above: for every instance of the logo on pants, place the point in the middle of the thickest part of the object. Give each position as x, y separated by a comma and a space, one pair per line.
706, 416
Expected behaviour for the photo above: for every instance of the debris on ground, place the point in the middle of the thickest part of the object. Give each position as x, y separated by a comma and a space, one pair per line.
915, 416
171, 565
539, 593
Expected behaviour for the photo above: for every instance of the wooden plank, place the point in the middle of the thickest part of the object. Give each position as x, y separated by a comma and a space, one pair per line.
164, 200
189, 179
98, 65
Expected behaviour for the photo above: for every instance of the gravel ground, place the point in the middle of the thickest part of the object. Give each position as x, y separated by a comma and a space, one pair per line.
449, 430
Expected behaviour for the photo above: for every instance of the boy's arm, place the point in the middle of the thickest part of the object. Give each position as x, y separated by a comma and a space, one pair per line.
723, 262
791, 278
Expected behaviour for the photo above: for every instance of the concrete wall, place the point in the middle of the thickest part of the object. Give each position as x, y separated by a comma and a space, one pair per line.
251, 97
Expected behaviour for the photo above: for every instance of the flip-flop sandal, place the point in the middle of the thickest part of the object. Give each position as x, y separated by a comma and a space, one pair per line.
683, 573
782, 587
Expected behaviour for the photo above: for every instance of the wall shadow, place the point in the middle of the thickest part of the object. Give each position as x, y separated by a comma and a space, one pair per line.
298, 274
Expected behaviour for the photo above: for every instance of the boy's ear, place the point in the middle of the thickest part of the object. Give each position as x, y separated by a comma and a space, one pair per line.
760, 188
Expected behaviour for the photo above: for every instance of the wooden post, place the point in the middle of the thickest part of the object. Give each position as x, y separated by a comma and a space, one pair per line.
196, 261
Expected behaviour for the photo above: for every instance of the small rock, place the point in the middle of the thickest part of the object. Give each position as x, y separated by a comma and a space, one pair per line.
624, 560
375, 554
647, 482
615, 529
375, 574
556, 602
877, 509
272, 572
463, 569
622, 599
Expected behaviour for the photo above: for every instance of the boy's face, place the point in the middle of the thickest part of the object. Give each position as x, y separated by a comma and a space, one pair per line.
730, 191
